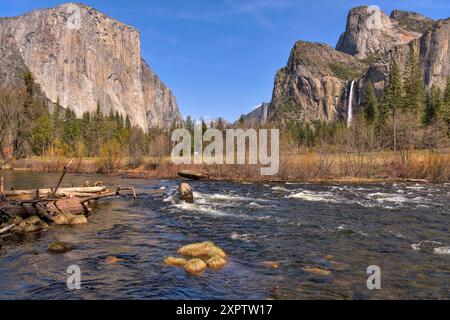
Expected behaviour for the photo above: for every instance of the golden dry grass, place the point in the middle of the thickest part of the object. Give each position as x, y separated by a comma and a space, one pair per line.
295, 166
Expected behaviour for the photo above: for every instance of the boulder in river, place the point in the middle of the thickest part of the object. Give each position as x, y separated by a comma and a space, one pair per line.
59, 247
173, 261
203, 255
69, 218
185, 193
195, 266
216, 262
190, 174
31, 224
205, 249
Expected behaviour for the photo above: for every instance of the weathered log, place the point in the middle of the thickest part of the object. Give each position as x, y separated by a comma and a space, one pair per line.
10, 209
44, 211
105, 195
11, 193
190, 174
6, 229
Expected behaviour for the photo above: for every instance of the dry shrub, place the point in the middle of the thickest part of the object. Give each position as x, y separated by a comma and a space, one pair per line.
110, 157
134, 162
433, 166
152, 164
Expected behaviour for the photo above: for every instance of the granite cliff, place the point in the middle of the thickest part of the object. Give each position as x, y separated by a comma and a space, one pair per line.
82, 58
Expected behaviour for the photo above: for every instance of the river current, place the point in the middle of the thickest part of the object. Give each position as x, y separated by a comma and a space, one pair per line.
275, 236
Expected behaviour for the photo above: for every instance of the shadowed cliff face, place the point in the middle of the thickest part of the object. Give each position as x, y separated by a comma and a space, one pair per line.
99, 62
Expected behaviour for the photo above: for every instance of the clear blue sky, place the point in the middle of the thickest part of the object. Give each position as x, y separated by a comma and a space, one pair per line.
220, 56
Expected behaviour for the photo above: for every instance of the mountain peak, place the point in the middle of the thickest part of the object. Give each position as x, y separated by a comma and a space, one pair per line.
369, 31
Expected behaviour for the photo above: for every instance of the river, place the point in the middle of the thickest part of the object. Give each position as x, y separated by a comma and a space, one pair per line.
343, 228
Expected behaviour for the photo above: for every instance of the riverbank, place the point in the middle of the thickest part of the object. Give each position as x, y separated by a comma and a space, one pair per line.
418, 166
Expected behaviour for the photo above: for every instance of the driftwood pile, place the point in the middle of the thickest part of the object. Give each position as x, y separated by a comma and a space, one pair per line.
23, 211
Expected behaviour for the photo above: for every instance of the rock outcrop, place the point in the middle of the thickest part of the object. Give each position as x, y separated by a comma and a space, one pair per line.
82, 63
323, 84
370, 31
315, 84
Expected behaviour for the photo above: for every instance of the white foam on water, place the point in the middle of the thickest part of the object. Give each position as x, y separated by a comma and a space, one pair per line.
315, 196
278, 188
217, 196
387, 197
426, 244
442, 250
254, 205
200, 208
245, 237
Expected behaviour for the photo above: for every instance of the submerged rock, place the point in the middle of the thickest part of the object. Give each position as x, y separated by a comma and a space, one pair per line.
112, 260
59, 247
185, 193
69, 218
31, 224
270, 264
318, 271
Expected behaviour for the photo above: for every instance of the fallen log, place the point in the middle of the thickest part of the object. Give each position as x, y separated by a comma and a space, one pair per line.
190, 174
61, 191
105, 195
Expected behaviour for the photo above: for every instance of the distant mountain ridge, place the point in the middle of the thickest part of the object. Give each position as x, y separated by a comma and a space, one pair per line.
98, 63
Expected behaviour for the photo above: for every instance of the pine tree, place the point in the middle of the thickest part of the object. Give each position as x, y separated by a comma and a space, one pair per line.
414, 86
392, 100
370, 103
445, 110
128, 122
433, 105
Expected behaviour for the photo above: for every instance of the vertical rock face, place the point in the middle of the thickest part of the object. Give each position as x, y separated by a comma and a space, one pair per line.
99, 62
315, 84
435, 53
258, 116
370, 32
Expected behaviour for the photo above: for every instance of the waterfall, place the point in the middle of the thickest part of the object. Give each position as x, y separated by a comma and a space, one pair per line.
350, 105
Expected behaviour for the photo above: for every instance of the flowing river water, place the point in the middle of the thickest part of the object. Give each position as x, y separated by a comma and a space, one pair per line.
402, 228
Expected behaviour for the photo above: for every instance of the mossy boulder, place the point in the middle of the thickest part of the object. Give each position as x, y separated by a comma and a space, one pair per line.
59, 247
